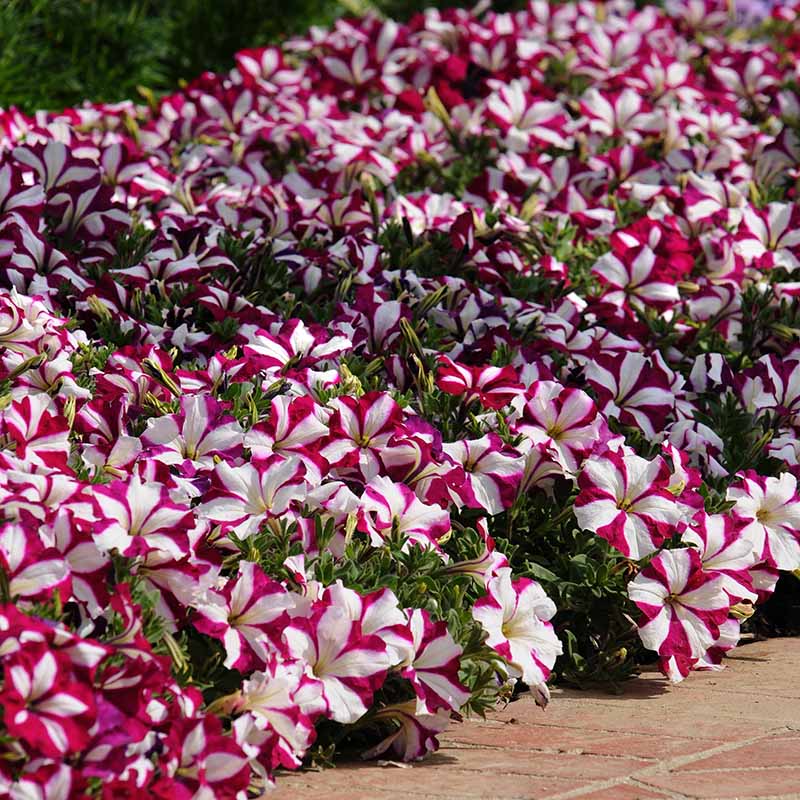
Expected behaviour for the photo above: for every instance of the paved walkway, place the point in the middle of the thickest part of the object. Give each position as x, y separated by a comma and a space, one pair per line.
733, 735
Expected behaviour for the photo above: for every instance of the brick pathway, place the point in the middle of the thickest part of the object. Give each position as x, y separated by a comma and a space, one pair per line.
733, 735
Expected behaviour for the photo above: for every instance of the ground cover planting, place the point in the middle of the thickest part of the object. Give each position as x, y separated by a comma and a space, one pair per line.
393, 371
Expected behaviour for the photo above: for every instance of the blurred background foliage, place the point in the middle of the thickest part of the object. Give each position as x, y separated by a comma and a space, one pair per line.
57, 53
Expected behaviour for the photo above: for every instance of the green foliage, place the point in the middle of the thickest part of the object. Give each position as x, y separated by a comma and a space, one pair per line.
266, 281
475, 153
56, 53
559, 76
430, 255
586, 579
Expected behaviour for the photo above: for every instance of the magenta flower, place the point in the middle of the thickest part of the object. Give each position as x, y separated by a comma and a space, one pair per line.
294, 346
137, 516
563, 420
33, 571
683, 607
770, 509
280, 704
634, 389
359, 432
243, 497
415, 733
492, 387
38, 430
389, 508
295, 425
246, 615
516, 615
433, 667
197, 437
493, 472
348, 664
207, 760
45, 704
625, 499
724, 550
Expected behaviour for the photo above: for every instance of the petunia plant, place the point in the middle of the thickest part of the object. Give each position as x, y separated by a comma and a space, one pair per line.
388, 374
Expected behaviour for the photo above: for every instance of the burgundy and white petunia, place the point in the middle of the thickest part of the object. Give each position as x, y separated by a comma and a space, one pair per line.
348, 664
414, 734
433, 668
563, 420
245, 615
770, 509
634, 389
242, 498
294, 345
295, 425
492, 387
683, 607
516, 615
280, 704
208, 761
392, 509
201, 433
631, 278
724, 549
137, 516
625, 499
493, 472
39, 432
46, 706
359, 430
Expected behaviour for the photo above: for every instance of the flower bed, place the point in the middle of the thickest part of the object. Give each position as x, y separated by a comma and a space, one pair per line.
344, 391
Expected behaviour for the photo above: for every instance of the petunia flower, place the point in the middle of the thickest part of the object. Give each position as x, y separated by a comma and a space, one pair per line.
516, 615
683, 607
625, 499
770, 508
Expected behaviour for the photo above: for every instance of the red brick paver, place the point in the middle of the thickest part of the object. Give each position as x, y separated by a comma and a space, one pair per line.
730, 735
